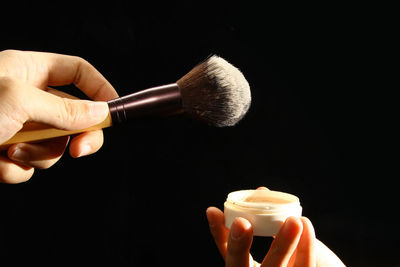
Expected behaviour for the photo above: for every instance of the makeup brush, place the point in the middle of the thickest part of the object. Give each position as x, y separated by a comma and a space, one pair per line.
214, 92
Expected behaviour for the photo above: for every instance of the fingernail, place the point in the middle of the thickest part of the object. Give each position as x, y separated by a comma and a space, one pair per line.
99, 110
237, 232
20, 155
85, 150
290, 225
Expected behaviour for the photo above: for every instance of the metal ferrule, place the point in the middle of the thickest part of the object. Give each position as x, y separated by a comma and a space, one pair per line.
158, 101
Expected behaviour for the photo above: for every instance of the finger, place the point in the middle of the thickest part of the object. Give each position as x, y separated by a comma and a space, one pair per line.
11, 117
262, 188
239, 243
326, 257
305, 253
64, 113
56, 69
13, 173
86, 143
64, 69
216, 222
40, 106
42, 155
285, 243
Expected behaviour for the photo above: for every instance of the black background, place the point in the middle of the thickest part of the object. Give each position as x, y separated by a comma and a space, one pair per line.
315, 129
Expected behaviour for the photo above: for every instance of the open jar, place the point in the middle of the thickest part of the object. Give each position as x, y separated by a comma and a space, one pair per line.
266, 210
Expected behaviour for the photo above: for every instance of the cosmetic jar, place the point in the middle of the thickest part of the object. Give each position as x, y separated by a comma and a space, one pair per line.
266, 210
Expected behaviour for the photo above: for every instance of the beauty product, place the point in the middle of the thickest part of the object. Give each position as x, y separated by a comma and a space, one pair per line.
266, 210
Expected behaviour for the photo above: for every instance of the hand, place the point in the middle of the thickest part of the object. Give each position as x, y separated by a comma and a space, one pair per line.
25, 95
294, 245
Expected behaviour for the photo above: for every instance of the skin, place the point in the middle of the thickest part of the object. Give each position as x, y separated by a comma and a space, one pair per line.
295, 244
26, 95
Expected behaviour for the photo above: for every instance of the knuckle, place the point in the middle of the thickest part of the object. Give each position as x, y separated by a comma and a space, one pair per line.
7, 83
11, 114
69, 112
10, 90
72, 113
79, 59
237, 247
81, 64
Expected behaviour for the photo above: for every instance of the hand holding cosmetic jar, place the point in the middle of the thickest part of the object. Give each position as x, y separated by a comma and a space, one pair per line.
266, 210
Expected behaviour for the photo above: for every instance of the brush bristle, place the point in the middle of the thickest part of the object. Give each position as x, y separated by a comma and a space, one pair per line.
215, 92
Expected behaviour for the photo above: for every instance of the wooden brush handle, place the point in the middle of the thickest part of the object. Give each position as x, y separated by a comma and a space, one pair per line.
34, 132
153, 102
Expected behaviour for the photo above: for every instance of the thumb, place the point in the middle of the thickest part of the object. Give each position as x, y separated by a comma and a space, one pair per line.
63, 113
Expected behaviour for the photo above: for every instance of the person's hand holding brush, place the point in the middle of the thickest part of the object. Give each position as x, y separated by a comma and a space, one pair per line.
213, 92
25, 96
295, 244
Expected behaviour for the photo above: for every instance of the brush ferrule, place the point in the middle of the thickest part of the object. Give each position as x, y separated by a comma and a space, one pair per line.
158, 101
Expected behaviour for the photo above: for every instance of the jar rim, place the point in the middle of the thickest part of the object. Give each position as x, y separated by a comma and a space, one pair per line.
262, 199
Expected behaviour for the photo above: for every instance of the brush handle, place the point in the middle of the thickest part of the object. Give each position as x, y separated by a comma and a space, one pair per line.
34, 132
158, 101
